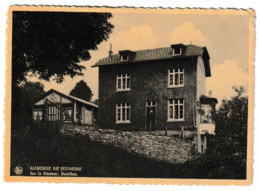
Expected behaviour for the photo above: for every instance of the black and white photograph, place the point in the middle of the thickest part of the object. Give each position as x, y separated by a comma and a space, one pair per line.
130, 93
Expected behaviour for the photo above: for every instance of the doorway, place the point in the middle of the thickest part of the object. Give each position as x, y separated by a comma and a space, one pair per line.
151, 110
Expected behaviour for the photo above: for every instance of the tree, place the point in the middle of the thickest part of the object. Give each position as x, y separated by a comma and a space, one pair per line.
231, 131
81, 90
227, 150
23, 97
52, 44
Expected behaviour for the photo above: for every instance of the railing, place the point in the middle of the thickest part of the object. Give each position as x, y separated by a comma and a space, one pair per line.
207, 128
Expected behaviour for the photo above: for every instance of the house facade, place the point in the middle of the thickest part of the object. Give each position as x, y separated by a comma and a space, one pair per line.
159, 90
55, 106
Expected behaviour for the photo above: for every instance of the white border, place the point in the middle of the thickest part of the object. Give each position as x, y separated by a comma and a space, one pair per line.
136, 3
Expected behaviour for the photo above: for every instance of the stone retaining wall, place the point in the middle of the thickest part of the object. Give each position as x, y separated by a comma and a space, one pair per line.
165, 148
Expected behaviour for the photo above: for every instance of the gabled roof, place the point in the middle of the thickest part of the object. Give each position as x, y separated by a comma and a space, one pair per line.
69, 97
159, 54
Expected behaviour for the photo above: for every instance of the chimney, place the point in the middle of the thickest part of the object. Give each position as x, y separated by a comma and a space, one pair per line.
110, 52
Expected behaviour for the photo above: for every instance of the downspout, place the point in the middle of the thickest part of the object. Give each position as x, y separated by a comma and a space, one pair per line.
195, 114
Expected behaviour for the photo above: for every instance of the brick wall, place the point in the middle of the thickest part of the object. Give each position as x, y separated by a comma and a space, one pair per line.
149, 81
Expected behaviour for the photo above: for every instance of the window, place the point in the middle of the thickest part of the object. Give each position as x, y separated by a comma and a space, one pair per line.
37, 115
175, 110
176, 51
124, 57
67, 115
123, 82
123, 113
151, 103
206, 116
176, 77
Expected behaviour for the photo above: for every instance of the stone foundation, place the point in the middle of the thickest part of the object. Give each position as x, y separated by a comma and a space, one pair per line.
164, 148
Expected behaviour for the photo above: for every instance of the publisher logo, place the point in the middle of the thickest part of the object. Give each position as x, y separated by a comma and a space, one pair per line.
18, 170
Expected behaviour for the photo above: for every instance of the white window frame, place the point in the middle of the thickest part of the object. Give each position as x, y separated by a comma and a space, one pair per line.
120, 109
172, 72
173, 52
122, 58
171, 116
37, 113
122, 80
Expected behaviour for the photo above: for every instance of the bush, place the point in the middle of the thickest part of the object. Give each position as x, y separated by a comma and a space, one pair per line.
44, 129
227, 150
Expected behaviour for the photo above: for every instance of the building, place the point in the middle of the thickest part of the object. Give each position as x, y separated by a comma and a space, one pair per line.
55, 106
159, 90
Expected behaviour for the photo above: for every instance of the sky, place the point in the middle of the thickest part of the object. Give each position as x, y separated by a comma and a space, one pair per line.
225, 36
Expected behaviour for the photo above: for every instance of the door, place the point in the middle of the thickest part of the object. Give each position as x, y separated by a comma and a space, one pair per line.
52, 113
151, 115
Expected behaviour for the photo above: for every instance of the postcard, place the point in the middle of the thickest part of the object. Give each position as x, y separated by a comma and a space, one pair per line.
129, 95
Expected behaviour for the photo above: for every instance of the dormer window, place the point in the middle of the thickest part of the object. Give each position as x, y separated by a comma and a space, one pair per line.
126, 55
176, 51
124, 58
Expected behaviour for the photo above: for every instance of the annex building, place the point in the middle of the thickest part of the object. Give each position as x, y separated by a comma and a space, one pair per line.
55, 106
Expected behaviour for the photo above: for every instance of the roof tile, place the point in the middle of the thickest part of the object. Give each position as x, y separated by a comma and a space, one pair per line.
152, 54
